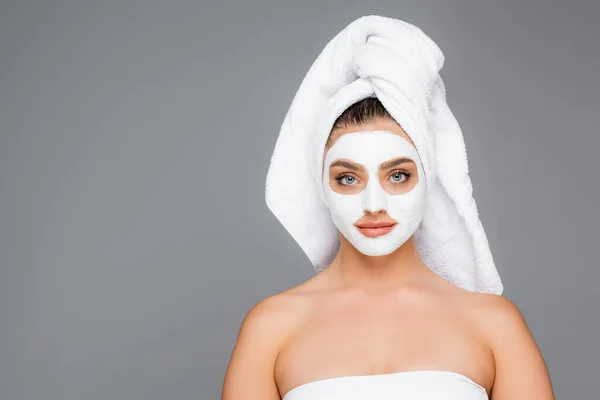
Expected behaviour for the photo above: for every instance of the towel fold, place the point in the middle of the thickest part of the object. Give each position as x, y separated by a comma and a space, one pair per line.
399, 64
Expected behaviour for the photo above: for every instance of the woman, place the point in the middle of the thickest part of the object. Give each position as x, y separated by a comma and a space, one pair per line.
378, 322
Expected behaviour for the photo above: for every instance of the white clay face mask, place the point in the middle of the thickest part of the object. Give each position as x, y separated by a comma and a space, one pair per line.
349, 205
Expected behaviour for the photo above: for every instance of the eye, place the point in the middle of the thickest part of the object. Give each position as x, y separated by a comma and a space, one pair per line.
398, 174
345, 179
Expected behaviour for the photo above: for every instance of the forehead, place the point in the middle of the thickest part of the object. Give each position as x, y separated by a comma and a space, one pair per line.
370, 148
383, 124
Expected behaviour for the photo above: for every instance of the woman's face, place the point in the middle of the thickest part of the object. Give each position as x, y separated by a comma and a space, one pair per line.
372, 174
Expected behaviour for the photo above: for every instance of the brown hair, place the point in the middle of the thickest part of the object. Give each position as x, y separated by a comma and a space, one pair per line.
360, 113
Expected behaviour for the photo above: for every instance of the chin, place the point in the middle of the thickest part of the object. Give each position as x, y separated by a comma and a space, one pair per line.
376, 249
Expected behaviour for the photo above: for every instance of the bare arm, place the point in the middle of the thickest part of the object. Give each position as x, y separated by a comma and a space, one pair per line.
249, 375
521, 372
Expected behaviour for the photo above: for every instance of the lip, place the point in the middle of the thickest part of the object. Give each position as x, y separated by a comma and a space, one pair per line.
375, 224
375, 229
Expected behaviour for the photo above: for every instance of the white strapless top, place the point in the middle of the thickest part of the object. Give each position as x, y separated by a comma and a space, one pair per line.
405, 385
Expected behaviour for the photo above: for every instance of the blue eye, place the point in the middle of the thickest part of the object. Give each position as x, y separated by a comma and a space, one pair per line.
349, 179
341, 177
400, 173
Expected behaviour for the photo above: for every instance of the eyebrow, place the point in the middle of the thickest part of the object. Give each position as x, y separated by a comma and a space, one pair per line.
395, 162
385, 165
346, 164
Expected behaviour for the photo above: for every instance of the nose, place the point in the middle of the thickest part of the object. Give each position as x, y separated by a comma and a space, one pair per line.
375, 199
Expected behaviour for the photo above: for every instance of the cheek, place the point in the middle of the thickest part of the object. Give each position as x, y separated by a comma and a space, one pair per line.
346, 206
412, 202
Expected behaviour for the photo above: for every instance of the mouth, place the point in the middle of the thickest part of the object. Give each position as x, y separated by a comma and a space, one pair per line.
375, 229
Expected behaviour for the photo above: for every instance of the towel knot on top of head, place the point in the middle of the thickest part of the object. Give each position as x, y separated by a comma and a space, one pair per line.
379, 57
398, 63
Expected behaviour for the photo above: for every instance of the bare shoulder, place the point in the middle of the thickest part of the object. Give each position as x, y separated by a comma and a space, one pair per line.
264, 329
521, 371
498, 317
495, 311
272, 314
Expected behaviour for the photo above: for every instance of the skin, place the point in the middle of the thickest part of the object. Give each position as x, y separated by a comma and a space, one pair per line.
375, 315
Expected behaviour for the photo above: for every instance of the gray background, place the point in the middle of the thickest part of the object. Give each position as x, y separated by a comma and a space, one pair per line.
135, 140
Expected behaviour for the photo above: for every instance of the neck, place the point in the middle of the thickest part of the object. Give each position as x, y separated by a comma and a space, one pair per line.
353, 269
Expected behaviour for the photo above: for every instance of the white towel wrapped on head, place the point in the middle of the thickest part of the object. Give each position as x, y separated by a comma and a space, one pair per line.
399, 64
